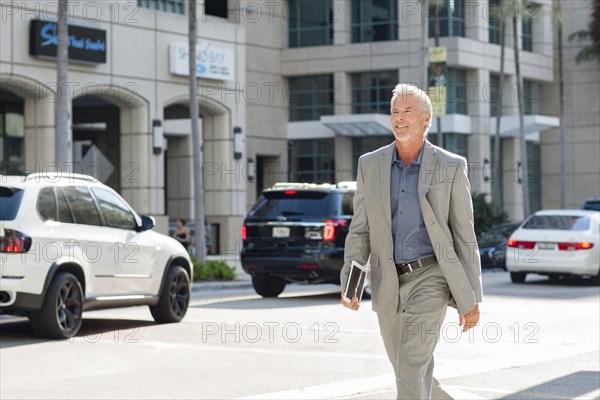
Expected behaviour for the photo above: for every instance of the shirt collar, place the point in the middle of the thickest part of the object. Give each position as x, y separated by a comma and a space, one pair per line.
395, 158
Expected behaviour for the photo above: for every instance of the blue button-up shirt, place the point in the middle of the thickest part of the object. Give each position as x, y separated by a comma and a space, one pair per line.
411, 240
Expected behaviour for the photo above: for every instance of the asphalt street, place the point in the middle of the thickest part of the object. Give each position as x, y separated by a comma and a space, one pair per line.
540, 340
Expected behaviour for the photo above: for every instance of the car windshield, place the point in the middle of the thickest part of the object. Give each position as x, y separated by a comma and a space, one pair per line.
291, 203
558, 222
10, 200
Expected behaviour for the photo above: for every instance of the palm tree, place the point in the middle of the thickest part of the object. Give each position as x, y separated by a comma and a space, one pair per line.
590, 51
63, 136
199, 246
559, 21
522, 143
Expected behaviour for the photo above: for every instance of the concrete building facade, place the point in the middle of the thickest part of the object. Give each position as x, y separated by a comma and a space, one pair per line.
290, 90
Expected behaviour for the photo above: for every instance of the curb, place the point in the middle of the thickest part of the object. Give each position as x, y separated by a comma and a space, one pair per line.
218, 285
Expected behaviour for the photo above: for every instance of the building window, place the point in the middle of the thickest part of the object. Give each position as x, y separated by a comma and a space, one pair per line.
457, 143
494, 21
531, 97
310, 23
174, 6
494, 94
452, 18
456, 91
372, 91
313, 161
310, 97
362, 145
216, 8
527, 27
374, 20
12, 134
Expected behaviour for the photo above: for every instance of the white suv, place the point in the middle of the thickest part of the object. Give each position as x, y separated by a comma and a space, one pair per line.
69, 243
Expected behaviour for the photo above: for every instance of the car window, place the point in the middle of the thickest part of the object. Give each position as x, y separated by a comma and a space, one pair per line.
558, 222
10, 200
291, 203
592, 205
82, 205
46, 204
64, 211
348, 204
116, 213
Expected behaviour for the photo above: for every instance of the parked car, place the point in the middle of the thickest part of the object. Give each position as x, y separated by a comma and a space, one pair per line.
592, 203
69, 243
556, 243
492, 245
296, 233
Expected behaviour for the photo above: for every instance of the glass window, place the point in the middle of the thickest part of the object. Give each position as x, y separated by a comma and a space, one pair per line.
374, 20
494, 94
558, 222
292, 203
451, 17
362, 145
174, 6
531, 97
83, 206
46, 204
218, 8
313, 161
457, 143
310, 23
456, 91
64, 210
310, 97
494, 21
10, 200
372, 91
12, 134
529, 12
116, 212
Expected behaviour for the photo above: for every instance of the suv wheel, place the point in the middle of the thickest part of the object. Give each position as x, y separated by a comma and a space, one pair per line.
175, 297
268, 287
518, 277
60, 315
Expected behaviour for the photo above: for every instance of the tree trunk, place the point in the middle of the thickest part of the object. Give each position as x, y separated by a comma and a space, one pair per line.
436, 29
198, 172
561, 88
496, 162
63, 134
522, 143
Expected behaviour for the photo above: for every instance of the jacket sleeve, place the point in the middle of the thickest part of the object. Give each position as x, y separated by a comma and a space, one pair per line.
463, 230
357, 241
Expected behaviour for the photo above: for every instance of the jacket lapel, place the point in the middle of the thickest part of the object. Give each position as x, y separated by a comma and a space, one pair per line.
385, 171
427, 168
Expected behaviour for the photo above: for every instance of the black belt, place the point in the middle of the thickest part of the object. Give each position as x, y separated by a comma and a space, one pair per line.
405, 268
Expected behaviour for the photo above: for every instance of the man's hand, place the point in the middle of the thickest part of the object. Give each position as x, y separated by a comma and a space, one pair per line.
470, 319
353, 305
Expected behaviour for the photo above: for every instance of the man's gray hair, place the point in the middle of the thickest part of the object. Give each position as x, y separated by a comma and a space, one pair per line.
405, 89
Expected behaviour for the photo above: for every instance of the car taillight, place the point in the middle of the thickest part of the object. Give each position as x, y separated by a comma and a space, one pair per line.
244, 232
520, 244
575, 246
331, 228
14, 242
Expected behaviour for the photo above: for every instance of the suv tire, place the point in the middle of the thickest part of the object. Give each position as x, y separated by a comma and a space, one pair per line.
175, 297
268, 287
518, 277
60, 315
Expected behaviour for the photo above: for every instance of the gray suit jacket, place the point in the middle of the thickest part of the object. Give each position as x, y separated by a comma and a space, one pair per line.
445, 200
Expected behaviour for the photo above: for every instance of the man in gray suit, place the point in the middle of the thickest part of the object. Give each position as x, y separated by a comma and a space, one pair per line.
413, 217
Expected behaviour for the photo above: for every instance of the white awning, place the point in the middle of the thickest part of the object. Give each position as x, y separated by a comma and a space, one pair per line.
358, 125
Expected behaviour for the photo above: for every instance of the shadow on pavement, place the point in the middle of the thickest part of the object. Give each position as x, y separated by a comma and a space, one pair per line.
566, 387
19, 332
499, 284
286, 301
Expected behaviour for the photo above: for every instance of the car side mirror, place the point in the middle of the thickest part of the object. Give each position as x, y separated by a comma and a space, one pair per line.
148, 222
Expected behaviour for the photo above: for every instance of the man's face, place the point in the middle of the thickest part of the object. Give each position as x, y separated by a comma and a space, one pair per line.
408, 123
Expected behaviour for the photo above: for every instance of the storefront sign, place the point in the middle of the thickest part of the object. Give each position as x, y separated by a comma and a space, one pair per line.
211, 62
85, 44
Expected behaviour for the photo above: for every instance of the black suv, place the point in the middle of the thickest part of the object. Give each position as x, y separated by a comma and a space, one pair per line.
296, 233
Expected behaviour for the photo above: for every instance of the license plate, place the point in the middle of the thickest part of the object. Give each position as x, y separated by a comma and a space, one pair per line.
546, 246
281, 232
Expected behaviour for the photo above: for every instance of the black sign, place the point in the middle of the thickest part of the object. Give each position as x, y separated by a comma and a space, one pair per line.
85, 44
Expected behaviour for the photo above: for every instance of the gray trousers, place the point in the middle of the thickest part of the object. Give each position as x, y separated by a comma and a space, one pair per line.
411, 334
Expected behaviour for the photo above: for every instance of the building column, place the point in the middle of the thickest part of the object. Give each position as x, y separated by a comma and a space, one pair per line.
476, 24
40, 135
342, 21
